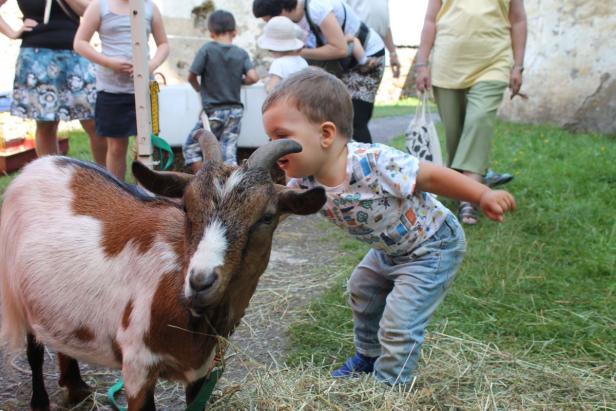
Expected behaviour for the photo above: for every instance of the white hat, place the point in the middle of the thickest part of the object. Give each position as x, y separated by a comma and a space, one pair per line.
281, 34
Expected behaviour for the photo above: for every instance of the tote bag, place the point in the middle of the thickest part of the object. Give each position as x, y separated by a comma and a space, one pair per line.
421, 136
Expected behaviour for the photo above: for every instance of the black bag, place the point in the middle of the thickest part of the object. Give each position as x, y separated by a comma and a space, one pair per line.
336, 67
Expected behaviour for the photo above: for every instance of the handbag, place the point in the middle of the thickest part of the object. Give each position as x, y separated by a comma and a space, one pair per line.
421, 135
337, 67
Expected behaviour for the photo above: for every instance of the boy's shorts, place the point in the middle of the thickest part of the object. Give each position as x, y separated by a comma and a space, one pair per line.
225, 123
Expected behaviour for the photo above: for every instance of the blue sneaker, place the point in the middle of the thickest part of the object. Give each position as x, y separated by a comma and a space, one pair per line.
355, 365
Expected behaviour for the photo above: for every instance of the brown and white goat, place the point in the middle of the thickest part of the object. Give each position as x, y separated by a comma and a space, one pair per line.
104, 273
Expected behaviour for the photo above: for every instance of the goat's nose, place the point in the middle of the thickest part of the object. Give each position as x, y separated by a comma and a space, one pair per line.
200, 281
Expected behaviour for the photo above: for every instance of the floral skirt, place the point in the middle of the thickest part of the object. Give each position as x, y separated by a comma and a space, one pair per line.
53, 85
363, 86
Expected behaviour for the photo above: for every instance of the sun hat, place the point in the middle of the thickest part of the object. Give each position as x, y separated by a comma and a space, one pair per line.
281, 34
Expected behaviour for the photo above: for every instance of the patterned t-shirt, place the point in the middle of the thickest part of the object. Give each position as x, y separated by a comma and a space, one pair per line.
378, 203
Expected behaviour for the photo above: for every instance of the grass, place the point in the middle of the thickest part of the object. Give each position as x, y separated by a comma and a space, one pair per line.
543, 283
530, 320
539, 289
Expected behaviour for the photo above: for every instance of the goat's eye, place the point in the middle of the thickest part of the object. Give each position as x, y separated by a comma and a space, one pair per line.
267, 219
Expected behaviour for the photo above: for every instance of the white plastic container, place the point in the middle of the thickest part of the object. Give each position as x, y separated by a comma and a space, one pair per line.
180, 105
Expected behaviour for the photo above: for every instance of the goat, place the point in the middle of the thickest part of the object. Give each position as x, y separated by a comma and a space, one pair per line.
106, 273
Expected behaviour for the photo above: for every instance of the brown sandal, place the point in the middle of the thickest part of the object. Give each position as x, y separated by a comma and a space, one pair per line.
467, 213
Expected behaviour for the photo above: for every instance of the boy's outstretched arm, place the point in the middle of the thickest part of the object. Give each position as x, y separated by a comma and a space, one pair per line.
449, 183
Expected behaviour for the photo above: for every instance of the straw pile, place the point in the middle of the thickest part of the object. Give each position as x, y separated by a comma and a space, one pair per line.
454, 373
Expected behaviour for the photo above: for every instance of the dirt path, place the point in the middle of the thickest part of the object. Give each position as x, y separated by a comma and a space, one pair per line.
302, 264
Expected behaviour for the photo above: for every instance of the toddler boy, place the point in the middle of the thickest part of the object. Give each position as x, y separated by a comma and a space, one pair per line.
380, 196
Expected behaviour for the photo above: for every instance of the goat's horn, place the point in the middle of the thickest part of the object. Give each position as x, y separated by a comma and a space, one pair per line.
266, 155
209, 146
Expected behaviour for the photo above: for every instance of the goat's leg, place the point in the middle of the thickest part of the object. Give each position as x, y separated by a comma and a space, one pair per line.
142, 400
192, 390
36, 352
70, 378
139, 384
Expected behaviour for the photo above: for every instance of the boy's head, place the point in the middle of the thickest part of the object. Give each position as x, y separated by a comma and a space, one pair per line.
221, 22
314, 108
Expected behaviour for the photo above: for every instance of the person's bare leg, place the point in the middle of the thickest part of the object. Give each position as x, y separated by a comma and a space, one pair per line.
116, 156
46, 136
98, 145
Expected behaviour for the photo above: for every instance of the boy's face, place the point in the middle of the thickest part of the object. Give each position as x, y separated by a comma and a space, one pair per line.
284, 120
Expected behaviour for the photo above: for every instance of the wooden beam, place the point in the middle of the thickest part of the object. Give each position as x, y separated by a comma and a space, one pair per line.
141, 77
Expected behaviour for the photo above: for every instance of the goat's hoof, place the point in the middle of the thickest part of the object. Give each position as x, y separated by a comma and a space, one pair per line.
77, 392
39, 407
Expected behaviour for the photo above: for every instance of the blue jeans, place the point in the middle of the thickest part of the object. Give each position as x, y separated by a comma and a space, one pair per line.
393, 298
225, 123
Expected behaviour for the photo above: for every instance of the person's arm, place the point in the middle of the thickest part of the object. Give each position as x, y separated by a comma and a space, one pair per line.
394, 63
194, 81
160, 38
89, 24
78, 6
449, 183
272, 80
251, 77
336, 46
428, 34
517, 17
8, 31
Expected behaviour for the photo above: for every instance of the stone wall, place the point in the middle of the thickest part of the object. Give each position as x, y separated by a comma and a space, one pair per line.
185, 22
570, 74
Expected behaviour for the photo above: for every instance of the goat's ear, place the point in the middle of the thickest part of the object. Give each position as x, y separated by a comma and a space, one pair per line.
301, 202
168, 184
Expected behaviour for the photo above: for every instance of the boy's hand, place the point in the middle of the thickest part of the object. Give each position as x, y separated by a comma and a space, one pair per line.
494, 203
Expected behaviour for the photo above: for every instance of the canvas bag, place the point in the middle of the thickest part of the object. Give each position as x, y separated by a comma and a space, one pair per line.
421, 136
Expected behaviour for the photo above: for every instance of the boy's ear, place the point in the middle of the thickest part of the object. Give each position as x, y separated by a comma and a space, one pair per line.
328, 134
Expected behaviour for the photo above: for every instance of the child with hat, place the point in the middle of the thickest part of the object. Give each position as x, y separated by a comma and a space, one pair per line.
281, 38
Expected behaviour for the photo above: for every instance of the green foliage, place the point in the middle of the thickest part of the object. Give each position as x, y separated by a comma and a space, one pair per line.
543, 283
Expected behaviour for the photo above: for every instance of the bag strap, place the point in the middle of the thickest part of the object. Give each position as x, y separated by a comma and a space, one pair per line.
420, 112
68, 10
316, 29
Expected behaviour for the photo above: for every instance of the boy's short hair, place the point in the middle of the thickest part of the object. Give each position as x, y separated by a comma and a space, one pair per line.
221, 22
318, 95
272, 8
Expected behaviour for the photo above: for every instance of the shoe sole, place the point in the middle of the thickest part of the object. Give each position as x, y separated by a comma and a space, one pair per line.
499, 182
